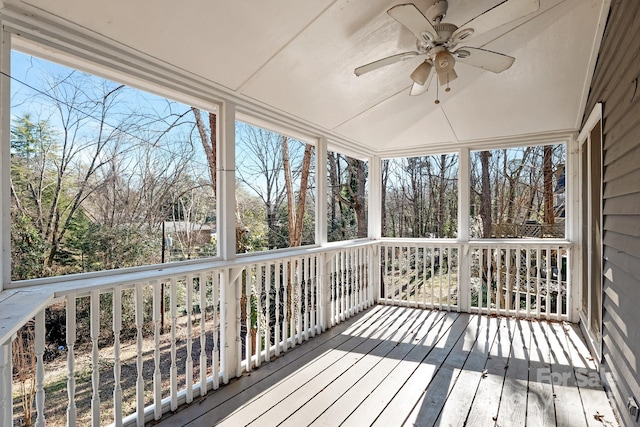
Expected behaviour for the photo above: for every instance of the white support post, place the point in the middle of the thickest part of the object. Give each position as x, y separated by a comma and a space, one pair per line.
324, 295
321, 192
375, 198
464, 201
6, 400
227, 181
375, 224
573, 228
5, 161
230, 311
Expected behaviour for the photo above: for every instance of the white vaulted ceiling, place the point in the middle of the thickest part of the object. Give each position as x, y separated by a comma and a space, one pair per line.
299, 56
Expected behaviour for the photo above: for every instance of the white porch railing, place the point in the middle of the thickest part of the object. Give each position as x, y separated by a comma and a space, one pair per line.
420, 273
524, 279
225, 318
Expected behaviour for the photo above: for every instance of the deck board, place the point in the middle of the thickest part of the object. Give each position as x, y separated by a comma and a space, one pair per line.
397, 365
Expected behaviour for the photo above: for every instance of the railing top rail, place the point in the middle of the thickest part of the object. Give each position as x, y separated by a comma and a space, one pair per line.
419, 240
17, 306
87, 282
520, 242
478, 242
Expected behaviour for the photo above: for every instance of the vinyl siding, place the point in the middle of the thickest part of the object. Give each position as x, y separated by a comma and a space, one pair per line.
616, 84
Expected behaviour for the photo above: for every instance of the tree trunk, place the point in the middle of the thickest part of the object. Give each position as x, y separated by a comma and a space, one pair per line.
208, 143
547, 168
441, 191
383, 200
360, 202
296, 215
485, 201
334, 189
302, 195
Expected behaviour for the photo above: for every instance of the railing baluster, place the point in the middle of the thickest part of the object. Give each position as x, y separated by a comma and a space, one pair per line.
295, 280
189, 361
432, 279
449, 295
173, 371
39, 349
215, 352
285, 304
6, 377
392, 281
337, 286
353, 269
569, 288
361, 281
349, 281
157, 375
539, 268
71, 336
298, 300
508, 287
259, 316
518, 279
340, 286
202, 301
498, 279
248, 348
416, 274
266, 279
490, 293
421, 252
117, 327
232, 335
305, 299
95, 372
528, 282
549, 272
276, 283
441, 257
139, 307
314, 295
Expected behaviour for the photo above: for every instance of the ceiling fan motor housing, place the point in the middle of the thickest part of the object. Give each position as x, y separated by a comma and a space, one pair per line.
445, 31
437, 11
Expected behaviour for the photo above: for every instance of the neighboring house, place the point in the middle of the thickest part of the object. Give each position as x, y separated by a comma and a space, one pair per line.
186, 231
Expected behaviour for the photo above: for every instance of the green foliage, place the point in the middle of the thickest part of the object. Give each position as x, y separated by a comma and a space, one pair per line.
27, 249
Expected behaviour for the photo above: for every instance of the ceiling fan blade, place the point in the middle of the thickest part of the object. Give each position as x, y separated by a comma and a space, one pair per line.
448, 77
411, 17
506, 11
384, 62
485, 59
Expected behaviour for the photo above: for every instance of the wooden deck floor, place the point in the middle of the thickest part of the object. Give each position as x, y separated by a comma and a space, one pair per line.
400, 366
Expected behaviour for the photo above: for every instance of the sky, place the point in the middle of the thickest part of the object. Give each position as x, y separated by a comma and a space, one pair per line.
33, 91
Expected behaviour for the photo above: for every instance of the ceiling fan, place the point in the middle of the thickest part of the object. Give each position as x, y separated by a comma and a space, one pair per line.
438, 41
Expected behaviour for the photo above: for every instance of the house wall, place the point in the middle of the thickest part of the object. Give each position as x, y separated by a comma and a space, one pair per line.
616, 85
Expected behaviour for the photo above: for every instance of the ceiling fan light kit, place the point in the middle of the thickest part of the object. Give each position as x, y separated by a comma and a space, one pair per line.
421, 73
437, 41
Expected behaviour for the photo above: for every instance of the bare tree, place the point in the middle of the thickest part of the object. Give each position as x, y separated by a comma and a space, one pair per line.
347, 181
485, 200
296, 210
547, 167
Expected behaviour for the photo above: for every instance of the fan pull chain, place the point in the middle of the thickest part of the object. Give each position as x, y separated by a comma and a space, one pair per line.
437, 101
448, 89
